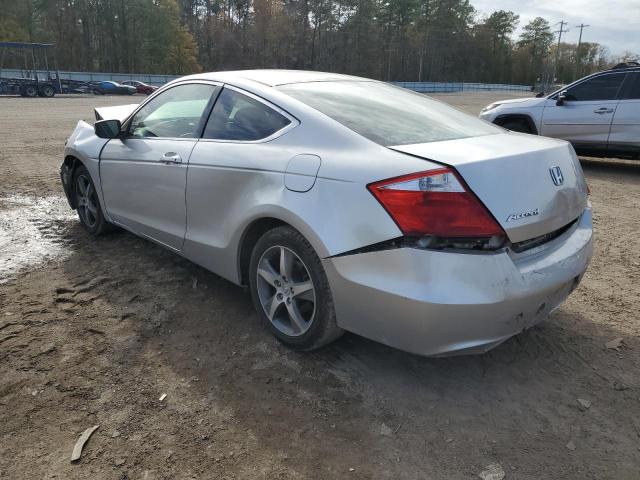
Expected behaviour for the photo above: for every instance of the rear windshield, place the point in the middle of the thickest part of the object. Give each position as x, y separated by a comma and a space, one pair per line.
386, 114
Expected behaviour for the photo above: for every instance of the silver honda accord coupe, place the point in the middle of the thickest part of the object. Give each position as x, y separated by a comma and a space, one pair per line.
343, 203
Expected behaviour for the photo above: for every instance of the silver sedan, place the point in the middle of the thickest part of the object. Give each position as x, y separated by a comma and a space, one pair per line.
343, 204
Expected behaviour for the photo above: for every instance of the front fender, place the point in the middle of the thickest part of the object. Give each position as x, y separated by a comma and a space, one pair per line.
83, 148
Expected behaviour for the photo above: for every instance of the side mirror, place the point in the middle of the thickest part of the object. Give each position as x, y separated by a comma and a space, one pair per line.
108, 128
539, 94
561, 98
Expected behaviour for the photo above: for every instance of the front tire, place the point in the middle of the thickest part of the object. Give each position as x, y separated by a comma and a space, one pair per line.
290, 291
30, 91
87, 203
517, 125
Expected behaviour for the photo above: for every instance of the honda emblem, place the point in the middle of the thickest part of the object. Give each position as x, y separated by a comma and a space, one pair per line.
556, 176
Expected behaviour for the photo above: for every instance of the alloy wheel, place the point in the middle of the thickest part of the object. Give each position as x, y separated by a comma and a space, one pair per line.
286, 291
86, 201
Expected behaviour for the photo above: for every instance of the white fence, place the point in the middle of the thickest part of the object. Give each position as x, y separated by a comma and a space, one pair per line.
162, 79
433, 87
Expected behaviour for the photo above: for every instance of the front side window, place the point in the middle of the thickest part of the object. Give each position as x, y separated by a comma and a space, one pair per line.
386, 114
241, 118
175, 113
604, 87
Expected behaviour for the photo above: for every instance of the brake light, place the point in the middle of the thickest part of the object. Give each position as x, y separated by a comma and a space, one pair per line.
435, 203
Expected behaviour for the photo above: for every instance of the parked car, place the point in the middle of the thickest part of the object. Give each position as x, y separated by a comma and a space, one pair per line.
141, 87
599, 114
343, 204
112, 88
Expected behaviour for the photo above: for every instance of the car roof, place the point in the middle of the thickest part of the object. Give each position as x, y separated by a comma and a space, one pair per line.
625, 66
275, 77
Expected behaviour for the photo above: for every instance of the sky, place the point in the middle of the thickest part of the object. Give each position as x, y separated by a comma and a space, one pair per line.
613, 23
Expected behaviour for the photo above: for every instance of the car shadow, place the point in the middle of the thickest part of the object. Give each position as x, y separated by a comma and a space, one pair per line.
355, 393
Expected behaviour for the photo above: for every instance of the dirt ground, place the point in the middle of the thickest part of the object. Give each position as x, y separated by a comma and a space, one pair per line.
94, 331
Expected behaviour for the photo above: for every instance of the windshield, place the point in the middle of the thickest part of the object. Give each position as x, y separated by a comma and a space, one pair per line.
386, 114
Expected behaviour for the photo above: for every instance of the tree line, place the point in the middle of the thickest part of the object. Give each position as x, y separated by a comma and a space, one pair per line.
403, 40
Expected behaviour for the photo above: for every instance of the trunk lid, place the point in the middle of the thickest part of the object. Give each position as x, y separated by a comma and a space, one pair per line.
532, 185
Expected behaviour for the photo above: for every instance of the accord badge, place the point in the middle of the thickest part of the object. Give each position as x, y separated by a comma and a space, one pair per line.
521, 215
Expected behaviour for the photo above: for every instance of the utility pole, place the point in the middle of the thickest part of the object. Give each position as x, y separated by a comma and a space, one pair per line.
389, 50
578, 58
562, 23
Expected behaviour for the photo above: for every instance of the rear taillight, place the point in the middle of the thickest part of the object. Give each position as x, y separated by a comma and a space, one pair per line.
435, 203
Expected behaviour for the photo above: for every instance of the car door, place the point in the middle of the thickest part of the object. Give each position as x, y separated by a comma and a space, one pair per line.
144, 173
585, 116
240, 161
625, 129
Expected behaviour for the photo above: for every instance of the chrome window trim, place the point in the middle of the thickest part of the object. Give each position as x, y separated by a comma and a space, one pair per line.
555, 94
294, 122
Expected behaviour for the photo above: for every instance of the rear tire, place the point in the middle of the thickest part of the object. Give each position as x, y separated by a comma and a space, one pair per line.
88, 204
47, 91
290, 291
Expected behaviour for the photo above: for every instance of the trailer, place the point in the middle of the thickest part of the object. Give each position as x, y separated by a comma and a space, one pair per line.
37, 79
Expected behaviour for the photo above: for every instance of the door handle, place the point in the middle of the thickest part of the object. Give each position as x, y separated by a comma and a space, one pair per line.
603, 110
171, 158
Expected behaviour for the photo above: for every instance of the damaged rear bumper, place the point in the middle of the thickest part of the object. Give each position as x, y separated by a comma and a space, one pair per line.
436, 302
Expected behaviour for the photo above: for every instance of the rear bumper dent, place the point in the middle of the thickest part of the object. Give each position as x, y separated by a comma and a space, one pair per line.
436, 303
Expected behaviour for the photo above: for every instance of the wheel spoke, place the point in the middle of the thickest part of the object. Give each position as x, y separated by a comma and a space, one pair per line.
308, 296
82, 186
272, 307
286, 262
297, 322
266, 271
301, 288
92, 208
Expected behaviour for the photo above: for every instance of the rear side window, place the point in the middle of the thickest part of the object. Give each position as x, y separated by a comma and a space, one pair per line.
633, 90
604, 87
386, 114
241, 118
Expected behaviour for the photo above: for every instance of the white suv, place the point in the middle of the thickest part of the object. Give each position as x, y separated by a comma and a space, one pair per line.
599, 114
